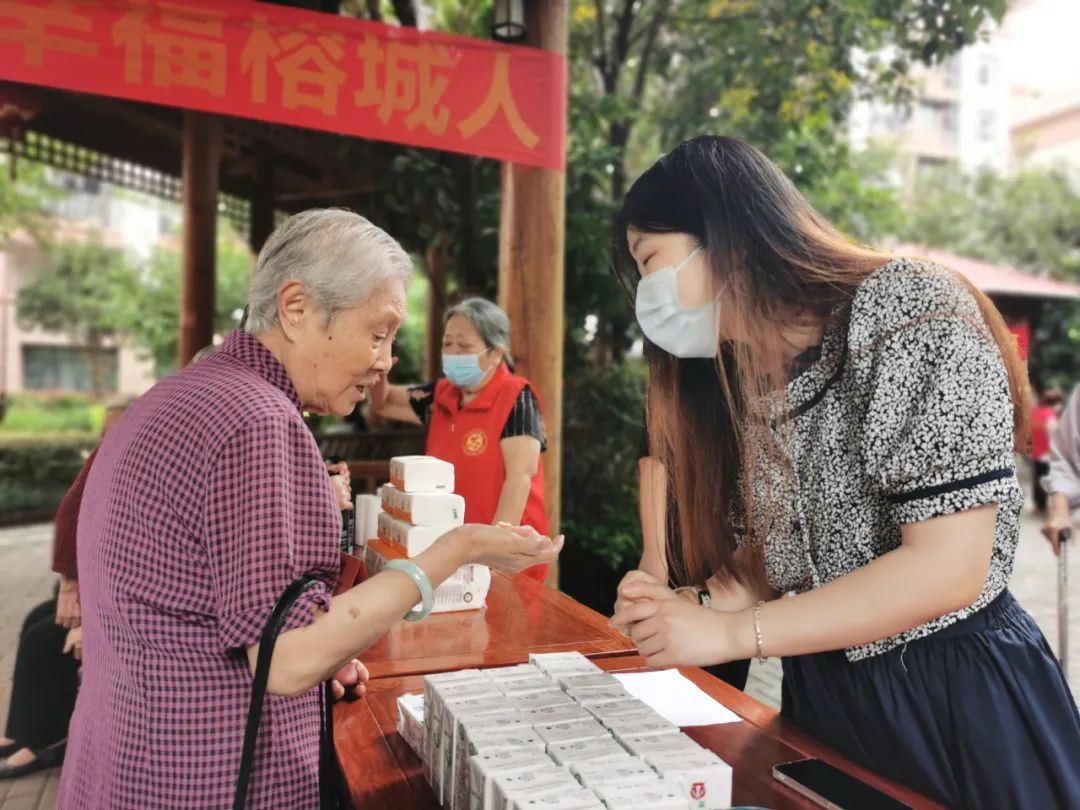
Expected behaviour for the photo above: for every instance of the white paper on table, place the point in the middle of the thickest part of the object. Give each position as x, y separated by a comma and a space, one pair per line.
676, 698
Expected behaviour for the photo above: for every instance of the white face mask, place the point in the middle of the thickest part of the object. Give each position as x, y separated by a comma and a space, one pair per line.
666, 322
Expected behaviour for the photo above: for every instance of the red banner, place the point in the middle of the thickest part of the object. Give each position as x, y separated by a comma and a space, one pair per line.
297, 67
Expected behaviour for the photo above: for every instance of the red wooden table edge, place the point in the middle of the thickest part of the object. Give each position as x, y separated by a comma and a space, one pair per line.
611, 644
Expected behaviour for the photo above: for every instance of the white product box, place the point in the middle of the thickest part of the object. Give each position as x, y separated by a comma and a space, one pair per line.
367, 510
500, 674
612, 714
436, 687
504, 738
483, 768
571, 731
660, 744
421, 474
424, 508
573, 753
526, 685
466, 589
560, 799
411, 722
439, 690
705, 779
556, 714
576, 679
661, 795
415, 540
453, 709
563, 662
386, 528
513, 786
625, 730
592, 695
634, 772
553, 696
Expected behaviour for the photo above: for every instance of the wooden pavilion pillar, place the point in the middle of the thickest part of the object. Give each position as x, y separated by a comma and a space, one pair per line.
436, 308
201, 159
531, 273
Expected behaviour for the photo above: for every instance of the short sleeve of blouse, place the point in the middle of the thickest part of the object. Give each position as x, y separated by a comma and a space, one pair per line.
269, 518
939, 426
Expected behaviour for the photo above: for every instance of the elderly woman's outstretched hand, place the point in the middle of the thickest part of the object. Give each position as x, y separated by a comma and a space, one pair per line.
510, 549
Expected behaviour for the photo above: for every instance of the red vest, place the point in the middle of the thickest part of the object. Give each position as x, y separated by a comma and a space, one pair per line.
469, 438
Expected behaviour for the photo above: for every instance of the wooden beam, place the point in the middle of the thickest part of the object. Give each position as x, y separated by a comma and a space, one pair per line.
262, 205
531, 272
436, 308
202, 157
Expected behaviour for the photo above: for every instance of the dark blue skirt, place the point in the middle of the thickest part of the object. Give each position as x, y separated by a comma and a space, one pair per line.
977, 715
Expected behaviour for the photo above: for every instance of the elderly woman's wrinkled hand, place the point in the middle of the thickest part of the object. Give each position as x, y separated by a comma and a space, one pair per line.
73, 642
350, 679
341, 483
68, 610
510, 549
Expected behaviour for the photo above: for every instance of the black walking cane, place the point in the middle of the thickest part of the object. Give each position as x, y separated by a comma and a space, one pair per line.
1063, 598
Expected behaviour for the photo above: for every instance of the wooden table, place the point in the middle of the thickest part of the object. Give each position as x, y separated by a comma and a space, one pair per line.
523, 616
383, 772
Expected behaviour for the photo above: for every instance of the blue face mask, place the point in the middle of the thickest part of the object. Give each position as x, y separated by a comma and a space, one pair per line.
463, 370
666, 322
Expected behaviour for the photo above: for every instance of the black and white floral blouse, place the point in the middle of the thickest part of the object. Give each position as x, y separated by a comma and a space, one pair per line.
906, 416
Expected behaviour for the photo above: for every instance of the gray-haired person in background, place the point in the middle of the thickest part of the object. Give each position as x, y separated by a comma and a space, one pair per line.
1062, 483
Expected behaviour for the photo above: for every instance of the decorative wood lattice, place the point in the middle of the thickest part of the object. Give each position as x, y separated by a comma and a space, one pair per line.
86, 162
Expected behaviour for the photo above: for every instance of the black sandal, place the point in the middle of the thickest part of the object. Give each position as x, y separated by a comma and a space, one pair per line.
47, 758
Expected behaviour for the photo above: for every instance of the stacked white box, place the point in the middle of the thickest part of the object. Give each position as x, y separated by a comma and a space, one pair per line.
661, 795
422, 490
511, 739
704, 778
509, 788
424, 508
421, 474
411, 722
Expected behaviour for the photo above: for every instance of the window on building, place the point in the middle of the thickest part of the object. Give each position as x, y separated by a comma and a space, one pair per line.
987, 68
950, 73
67, 368
986, 125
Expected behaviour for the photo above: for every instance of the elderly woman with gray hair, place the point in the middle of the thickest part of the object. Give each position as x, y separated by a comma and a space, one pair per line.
482, 418
206, 500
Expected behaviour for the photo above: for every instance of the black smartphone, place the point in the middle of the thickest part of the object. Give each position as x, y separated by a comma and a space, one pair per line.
830, 787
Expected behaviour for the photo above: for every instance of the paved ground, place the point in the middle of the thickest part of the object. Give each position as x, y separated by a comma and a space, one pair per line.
25, 581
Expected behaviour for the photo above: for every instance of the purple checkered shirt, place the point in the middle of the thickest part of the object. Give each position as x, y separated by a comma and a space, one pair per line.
204, 502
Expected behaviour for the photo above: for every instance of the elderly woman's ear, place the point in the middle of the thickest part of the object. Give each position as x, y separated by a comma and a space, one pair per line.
293, 304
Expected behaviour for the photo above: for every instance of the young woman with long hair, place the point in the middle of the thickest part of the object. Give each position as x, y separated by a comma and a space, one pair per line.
839, 427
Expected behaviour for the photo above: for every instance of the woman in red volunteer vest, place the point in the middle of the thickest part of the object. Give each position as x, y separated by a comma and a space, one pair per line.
482, 418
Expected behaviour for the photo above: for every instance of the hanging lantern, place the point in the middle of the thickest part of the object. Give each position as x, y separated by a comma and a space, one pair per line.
18, 105
509, 21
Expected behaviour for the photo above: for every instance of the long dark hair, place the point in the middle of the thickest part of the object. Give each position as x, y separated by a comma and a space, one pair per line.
774, 260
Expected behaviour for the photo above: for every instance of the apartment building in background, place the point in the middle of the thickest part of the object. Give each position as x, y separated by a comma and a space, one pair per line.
960, 114
35, 361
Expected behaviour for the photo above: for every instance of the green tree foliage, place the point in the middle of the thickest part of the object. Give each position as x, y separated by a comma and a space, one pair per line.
155, 325
85, 292
1029, 220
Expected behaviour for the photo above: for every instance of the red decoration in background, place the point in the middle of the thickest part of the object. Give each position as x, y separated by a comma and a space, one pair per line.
296, 67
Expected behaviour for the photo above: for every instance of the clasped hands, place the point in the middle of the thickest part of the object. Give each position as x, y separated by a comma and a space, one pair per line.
672, 629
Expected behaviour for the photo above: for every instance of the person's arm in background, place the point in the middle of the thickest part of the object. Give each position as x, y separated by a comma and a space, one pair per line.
1063, 481
65, 554
521, 457
652, 509
392, 401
